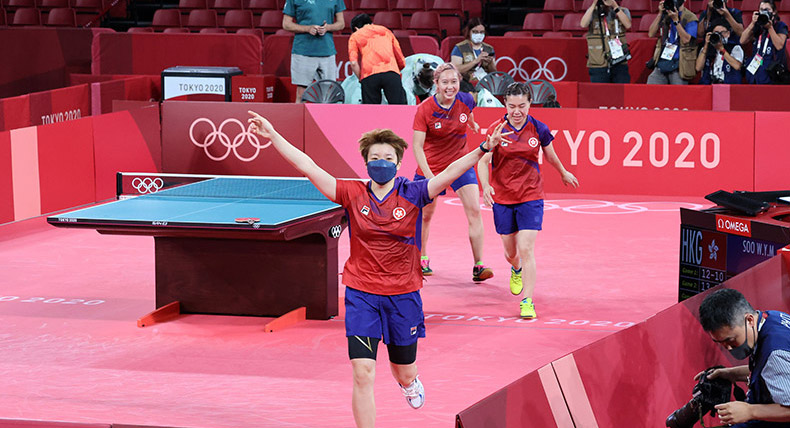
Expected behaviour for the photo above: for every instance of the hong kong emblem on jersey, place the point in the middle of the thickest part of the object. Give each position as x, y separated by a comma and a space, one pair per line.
463, 117
399, 213
533, 142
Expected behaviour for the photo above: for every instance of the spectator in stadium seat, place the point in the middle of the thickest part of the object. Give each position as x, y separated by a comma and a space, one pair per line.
711, 16
313, 52
764, 338
473, 58
607, 49
675, 57
768, 48
376, 59
720, 62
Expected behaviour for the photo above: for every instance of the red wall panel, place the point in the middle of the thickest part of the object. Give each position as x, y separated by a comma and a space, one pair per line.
771, 151
66, 167
645, 97
6, 183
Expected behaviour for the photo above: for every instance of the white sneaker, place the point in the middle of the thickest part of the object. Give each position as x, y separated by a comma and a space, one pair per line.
414, 393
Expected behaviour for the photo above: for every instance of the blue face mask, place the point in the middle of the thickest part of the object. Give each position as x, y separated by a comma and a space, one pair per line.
382, 171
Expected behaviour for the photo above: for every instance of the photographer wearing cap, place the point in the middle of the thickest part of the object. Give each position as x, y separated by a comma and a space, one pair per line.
717, 13
719, 60
769, 34
675, 57
607, 49
764, 338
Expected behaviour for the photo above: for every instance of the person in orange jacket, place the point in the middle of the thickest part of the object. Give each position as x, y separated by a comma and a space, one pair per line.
376, 59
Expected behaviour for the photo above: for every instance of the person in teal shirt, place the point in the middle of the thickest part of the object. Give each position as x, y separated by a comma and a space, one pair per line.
313, 52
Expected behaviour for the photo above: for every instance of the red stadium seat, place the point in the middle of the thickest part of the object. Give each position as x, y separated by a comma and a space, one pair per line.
749, 6
187, 5
348, 15
404, 33
558, 34
209, 30
372, 7
87, 6
140, 30
448, 7
283, 32
176, 30
784, 17
559, 6
257, 32
644, 23
473, 8
3, 20
631, 36
783, 6
222, 6
572, 23
46, 5
166, 18
62, 17
238, 18
408, 7
538, 22
19, 4
258, 6
201, 18
27, 16
518, 34
271, 21
391, 20
451, 15
426, 23
637, 7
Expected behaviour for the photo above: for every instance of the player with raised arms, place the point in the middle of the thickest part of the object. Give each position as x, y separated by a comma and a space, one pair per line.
516, 187
382, 274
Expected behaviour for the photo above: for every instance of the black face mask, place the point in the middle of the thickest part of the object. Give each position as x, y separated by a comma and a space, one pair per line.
743, 351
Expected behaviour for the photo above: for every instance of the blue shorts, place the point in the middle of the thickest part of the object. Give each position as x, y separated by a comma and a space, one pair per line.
397, 319
524, 216
469, 177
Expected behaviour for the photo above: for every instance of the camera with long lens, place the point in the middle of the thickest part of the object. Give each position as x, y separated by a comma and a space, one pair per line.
707, 393
718, 4
670, 5
715, 38
764, 18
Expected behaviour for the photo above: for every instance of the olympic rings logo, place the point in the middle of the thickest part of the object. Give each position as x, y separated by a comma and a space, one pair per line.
598, 207
521, 70
335, 231
224, 139
147, 185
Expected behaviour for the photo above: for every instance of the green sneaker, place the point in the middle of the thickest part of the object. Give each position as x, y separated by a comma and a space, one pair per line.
515, 281
425, 264
528, 309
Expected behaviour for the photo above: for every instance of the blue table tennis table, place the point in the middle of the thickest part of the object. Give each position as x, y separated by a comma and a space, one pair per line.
229, 245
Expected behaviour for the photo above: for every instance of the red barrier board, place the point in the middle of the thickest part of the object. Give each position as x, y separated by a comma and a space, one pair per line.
66, 167
644, 97
14, 112
60, 105
150, 53
253, 89
646, 152
212, 138
277, 52
567, 94
134, 88
759, 98
6, 183
771, 151
125, 141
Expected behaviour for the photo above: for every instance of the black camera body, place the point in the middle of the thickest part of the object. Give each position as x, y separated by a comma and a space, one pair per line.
707, 393
670, 5
715, 38
764, 18
718, 4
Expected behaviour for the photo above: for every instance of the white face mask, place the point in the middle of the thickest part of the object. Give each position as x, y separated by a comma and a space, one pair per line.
477, 38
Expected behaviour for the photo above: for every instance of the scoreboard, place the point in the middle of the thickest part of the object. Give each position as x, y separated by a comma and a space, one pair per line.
716, 245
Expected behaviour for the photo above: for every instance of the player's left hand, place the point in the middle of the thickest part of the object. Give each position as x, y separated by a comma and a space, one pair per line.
322, 29
569, 179
474, 126
734, 412
495, 138
260, 126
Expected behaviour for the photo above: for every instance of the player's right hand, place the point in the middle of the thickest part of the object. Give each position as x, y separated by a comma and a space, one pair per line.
488, 195
722, 373
260, 126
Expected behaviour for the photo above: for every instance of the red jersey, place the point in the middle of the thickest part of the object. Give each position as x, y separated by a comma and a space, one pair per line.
385, 236
515, 172
445, 130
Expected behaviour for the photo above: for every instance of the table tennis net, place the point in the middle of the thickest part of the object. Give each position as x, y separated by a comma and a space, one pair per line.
193, 186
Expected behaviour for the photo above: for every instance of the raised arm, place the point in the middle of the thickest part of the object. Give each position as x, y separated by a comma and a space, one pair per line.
321, 179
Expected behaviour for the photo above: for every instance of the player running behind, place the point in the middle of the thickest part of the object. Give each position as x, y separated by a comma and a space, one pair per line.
382, 274
516, 187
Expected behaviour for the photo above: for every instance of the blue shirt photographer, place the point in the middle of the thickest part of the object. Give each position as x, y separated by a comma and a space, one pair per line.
718, 70
763, 46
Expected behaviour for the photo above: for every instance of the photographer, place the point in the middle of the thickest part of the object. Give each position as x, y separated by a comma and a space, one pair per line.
764, 338
675, 57
719, 60
607, 49
768, 50
717, 13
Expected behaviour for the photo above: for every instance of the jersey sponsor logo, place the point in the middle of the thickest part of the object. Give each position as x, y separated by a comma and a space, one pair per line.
413, 331
463, 118
437, 125
399, 213
533, 142
365, 210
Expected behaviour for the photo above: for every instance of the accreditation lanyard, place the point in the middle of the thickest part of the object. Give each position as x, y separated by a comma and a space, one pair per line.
615, 45
757, 60
479, 72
